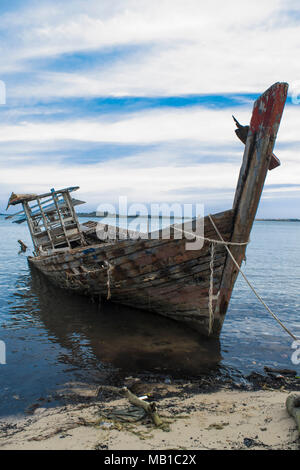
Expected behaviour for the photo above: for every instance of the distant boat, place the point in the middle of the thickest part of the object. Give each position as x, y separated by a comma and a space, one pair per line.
158, 275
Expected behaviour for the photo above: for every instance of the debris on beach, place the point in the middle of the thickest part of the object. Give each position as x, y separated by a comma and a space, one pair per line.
138, 410
293, 407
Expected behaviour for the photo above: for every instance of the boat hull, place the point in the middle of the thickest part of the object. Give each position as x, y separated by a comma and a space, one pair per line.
160, 276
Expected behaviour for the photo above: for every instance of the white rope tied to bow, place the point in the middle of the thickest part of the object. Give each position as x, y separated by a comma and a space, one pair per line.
250, 285
210, 240
226, 244
213, 244
109, 268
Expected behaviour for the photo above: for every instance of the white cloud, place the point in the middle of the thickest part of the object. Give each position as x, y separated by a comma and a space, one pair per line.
185, 137
196, 47
198, 124
51, 29
105, 182
182, 48
191, 124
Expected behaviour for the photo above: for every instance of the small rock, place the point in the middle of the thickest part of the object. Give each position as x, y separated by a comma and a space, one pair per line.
31, 409
101, 447
106, 425
39, 411
248, 442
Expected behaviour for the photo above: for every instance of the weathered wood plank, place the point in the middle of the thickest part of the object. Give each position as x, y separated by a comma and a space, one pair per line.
266, 116
132, 249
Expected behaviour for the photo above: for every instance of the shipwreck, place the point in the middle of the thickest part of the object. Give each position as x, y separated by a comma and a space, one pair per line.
158, 275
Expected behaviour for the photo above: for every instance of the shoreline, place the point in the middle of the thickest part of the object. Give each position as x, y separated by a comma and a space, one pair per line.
197, 418
120, 216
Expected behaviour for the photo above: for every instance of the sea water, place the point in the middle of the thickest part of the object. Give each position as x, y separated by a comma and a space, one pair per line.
53, 338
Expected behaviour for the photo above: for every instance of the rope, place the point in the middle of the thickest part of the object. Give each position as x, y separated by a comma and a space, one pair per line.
250, 285
211, 297
109, 268
210, 240
226, 244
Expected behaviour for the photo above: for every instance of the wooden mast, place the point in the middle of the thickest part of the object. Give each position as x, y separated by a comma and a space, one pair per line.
266, 116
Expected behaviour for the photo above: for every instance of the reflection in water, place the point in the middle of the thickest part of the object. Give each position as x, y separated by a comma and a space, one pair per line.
125, 338
53, 337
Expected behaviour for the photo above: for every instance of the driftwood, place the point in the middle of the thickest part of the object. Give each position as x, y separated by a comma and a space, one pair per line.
289, 372
149, 408
293, 407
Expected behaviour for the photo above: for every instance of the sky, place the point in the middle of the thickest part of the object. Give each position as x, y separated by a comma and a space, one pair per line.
134, 98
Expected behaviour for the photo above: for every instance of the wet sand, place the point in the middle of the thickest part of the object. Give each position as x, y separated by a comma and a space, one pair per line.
223, 419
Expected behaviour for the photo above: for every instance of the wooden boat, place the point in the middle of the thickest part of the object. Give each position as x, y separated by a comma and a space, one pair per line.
158, 275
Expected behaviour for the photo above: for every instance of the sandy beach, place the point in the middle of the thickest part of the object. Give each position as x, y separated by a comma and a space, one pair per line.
224, 419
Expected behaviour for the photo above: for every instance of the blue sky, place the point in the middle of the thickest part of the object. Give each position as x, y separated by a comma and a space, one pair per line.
134, 98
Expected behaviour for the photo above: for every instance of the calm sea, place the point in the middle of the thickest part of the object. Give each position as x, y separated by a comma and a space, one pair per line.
53, 338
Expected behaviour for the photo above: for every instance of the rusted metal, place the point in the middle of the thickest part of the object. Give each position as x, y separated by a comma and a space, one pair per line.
242, 133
